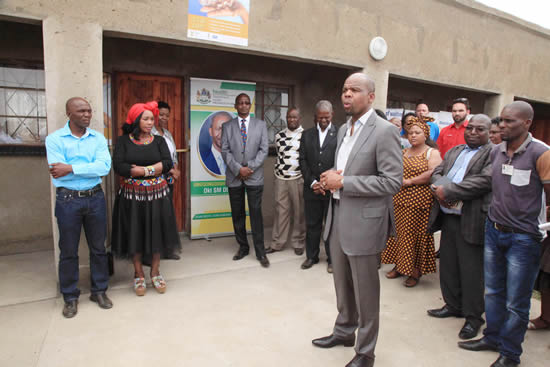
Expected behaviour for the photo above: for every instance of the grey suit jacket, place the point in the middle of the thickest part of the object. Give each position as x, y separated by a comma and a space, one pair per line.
235, 155
373, 174
474, 191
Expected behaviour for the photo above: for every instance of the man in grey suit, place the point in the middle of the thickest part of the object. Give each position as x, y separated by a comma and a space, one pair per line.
463, 195
244, 150
368, 171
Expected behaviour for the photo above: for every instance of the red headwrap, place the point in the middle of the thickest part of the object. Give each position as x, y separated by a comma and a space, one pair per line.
138, 109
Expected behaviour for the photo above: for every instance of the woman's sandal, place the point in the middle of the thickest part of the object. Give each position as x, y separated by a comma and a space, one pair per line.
159, 283
538, 324
392, 274
139, 286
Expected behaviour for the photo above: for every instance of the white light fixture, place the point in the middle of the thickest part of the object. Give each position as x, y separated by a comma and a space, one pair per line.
378, 48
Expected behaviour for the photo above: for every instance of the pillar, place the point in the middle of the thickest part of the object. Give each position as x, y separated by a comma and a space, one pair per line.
73, 64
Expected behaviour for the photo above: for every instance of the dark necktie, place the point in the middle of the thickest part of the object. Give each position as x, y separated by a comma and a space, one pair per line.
243, 131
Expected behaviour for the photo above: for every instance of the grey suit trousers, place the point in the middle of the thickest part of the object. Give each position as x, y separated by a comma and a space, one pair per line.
357, 294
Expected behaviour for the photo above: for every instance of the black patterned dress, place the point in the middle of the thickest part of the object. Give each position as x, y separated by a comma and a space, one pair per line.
143, 215
412, 247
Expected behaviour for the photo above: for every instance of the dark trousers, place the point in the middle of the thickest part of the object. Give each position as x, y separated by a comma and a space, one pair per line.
357, 288
316, 212
461, 271
238, 214
72, 213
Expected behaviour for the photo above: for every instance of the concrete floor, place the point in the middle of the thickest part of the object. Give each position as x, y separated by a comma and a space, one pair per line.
219, 312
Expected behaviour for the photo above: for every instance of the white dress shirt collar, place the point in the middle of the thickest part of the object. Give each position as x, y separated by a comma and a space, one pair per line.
247, 121
323, 134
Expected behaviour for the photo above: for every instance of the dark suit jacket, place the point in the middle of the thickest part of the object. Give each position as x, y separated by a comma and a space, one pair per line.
315, 159
474, 191
211, 163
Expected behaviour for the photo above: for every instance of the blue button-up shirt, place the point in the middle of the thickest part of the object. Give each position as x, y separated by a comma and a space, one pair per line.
88, 155
458, 170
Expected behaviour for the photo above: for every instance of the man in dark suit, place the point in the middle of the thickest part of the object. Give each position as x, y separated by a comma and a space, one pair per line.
368, 171
463, 195
244, 150
317, 150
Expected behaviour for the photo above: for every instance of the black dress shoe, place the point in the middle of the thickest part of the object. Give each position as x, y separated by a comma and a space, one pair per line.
468, 331
299, 251
444, 312
102, 300
309, 263
70, 309
477, 345
332, 341
271, 250
264, 261
361, 360
503, 361
240, 254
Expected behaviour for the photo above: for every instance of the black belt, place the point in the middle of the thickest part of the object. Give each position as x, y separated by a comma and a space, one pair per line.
80, 193
501, 228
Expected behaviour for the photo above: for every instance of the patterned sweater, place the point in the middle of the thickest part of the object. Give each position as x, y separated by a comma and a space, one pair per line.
287, 144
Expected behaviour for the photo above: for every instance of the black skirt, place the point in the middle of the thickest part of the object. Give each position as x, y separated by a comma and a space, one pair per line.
143, 219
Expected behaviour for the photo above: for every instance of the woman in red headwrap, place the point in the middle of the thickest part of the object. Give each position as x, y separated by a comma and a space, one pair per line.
144, 224
412, 249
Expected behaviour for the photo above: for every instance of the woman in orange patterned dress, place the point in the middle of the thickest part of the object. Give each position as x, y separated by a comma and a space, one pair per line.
412, 249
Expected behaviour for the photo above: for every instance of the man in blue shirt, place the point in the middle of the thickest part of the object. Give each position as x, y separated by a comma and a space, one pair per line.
78, 157
462, 186
422, 111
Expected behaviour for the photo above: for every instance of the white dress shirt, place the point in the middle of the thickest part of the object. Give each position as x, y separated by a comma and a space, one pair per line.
246, 122
323, 134
348, 143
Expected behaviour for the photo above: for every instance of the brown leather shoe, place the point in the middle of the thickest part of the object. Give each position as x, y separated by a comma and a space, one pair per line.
264, 261
299, 251
392, 274
329, 268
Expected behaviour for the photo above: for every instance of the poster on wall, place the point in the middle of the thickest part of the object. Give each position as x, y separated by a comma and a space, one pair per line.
212, 104
224, 21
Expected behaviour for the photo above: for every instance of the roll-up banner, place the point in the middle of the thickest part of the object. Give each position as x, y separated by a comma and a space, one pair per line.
212, 104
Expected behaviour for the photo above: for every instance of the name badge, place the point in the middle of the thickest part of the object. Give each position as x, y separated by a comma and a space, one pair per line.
507, 169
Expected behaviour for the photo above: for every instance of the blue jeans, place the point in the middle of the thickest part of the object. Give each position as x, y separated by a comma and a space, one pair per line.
511, 266
72, 213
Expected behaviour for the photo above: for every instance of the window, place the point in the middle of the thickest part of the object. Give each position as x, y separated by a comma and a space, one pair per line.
22, 106
272, 103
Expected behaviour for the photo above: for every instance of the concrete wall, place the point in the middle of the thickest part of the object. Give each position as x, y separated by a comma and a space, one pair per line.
459, 43
25, 205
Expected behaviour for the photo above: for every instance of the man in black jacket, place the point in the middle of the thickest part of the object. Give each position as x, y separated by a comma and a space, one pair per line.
462, 187
317, 149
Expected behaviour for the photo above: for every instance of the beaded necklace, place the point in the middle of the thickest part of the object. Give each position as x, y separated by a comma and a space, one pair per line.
141, 142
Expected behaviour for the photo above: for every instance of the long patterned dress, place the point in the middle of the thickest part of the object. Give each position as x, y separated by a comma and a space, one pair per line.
412, 247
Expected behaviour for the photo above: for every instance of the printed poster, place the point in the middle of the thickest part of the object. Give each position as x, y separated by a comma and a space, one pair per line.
224, 21
212, 104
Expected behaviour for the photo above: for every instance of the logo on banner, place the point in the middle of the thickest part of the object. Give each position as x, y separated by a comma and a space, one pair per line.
204, 96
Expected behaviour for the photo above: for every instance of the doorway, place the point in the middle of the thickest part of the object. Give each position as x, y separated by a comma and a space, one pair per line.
133, 88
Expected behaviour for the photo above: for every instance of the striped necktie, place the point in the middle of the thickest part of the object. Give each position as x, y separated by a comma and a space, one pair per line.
243, 131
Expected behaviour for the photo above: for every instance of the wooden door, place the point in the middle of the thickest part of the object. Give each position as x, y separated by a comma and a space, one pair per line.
540, 128
138, 88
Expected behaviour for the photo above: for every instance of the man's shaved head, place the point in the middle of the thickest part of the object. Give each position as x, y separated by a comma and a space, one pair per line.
523, 108
71, 101
486, 120
369, 82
